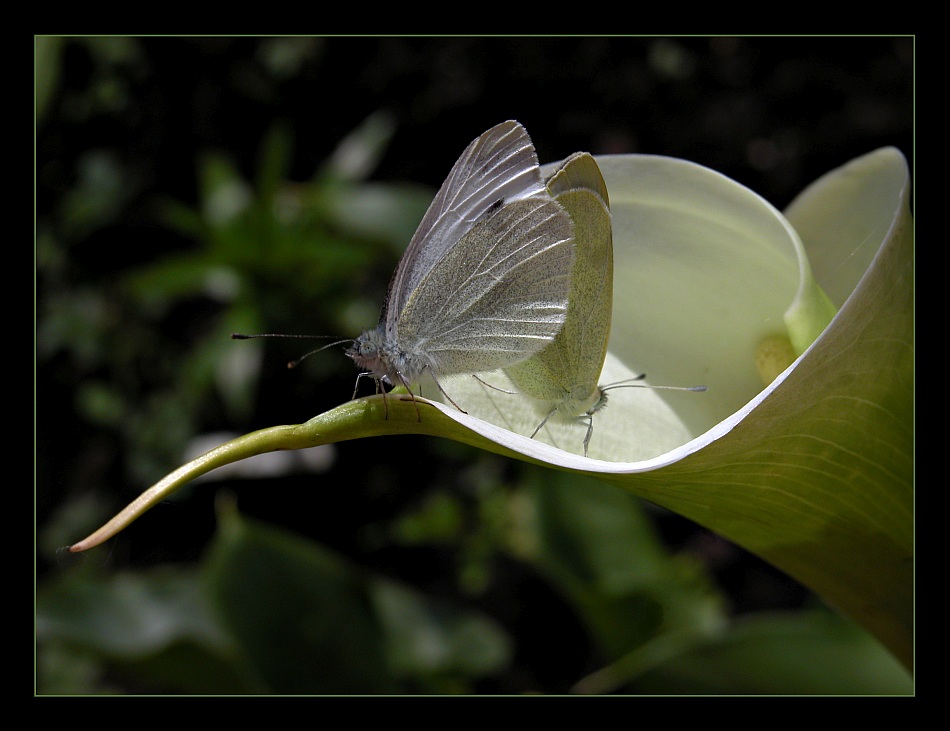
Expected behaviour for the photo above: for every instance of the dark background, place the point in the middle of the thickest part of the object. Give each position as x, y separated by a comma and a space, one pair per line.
772, 113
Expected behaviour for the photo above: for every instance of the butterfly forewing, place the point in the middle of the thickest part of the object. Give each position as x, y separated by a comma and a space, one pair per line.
501, 165
499, 296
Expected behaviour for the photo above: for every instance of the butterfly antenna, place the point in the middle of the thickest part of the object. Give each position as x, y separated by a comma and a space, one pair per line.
293, 363
626, 384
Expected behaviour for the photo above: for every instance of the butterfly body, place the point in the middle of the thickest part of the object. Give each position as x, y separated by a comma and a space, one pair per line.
377, 355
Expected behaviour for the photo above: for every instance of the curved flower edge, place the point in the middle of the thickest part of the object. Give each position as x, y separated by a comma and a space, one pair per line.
788, 477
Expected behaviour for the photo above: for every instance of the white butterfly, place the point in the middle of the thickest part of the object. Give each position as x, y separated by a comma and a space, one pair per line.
484, 283
563, 379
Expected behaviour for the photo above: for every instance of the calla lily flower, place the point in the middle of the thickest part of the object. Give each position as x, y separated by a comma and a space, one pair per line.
801, 327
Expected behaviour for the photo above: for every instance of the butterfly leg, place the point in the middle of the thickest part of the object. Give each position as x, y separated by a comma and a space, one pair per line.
447, 396
411, 396
541, 425
379, 390
590, 429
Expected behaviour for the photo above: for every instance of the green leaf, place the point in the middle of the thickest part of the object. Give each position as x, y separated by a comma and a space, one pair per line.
155, 626
596, 543
808, 653
434, 643
133, 614
267, 612
302, 619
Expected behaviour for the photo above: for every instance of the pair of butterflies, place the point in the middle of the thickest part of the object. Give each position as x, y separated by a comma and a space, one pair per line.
506, 271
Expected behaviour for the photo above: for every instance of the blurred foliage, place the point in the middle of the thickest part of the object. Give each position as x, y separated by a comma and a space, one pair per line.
327, 232
267, 611
190, 188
